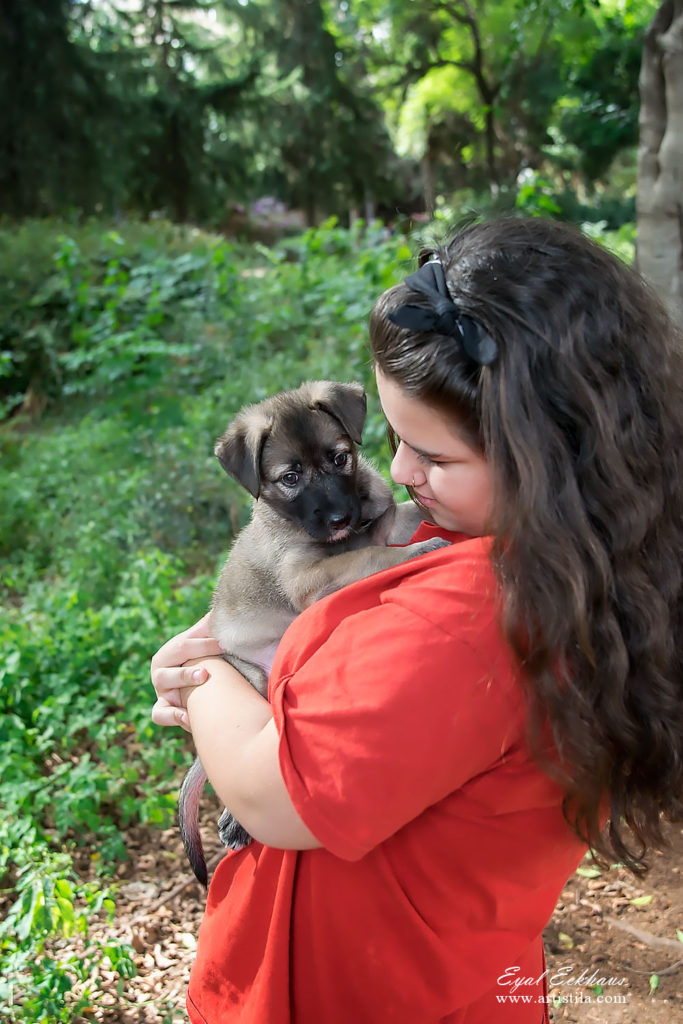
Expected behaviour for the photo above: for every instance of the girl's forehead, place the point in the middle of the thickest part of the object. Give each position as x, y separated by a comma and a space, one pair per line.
424, 428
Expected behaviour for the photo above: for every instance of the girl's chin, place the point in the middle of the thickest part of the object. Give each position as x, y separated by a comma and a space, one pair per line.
445, 522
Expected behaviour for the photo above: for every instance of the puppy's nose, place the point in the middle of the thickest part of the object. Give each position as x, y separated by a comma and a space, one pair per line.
339, 520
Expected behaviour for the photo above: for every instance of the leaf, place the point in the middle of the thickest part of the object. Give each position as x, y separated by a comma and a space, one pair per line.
642, 901
679, 935
654, 983
588, 872
67, 922
565, 940
64, 889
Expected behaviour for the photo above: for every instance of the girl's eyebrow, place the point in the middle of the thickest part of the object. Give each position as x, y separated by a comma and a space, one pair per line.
434, 456
418, 451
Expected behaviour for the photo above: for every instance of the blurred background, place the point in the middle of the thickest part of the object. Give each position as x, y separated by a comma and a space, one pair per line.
217, 113
199, 203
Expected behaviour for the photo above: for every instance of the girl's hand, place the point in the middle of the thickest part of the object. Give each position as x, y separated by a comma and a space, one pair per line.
172, 670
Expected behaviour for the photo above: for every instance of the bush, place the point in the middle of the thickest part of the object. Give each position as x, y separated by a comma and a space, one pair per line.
115, 517
89, 312
81, 762
119, 312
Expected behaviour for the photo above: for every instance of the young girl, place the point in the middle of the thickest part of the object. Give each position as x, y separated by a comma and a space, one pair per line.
443, 740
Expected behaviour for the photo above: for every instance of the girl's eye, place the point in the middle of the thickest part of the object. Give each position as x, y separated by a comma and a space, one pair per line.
340, 459
289, 479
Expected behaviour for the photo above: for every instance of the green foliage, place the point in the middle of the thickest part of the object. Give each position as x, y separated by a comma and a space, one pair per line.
598, 114
189, 110
115, 517
114, 520
622, 241
480, 93
45, 981
118, 108
534, 198
46, 152
80, 762
101, 315
86, 313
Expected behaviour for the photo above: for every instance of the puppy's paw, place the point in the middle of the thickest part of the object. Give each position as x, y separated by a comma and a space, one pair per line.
423, 547
231, 833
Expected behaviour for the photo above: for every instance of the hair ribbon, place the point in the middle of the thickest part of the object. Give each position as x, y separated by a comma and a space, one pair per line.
443, 316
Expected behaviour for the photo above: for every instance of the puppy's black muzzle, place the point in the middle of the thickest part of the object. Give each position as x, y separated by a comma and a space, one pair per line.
329, 509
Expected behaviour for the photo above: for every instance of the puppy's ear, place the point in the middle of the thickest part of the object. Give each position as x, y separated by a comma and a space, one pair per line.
239, 449
346, 402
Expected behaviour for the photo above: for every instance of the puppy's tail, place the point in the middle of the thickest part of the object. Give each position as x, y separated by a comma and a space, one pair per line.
188, 819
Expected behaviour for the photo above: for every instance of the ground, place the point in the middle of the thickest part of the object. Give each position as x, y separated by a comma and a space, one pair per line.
612, 946
623, 930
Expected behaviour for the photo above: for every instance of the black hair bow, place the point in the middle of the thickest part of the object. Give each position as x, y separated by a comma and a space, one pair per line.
444, 317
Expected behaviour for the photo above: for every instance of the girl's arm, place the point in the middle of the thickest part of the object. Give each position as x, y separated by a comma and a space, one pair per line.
237, 743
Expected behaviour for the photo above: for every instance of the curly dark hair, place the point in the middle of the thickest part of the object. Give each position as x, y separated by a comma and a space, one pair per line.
581, 419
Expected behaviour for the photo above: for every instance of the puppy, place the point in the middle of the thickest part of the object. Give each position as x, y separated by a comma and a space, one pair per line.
321, 519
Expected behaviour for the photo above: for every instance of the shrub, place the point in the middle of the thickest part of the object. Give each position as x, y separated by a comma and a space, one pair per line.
114, 519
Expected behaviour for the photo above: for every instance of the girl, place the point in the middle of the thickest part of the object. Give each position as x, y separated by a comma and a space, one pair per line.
443, 740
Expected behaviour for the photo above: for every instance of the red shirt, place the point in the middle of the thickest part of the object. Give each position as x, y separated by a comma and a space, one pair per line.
402, 726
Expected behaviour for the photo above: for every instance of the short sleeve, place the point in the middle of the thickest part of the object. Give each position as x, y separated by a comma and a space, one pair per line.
390, 715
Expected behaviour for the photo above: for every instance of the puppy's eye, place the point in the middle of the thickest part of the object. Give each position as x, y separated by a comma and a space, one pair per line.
289, 479
341, 458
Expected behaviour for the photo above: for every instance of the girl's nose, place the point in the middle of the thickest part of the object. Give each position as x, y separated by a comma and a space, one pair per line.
405, 468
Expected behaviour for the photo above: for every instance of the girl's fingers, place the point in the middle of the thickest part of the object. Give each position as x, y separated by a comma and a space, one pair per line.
189, 648
167, 681
183, 648
173, 669
165, 714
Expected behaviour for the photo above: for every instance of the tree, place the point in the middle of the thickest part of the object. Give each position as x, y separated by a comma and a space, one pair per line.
659, 251
470, 87
48, 159
187, 107
173, 84
329, 150
477, 91
598, 113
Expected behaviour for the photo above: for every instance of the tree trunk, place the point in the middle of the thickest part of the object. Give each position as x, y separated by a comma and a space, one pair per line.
428, 188
490, 134
659, 252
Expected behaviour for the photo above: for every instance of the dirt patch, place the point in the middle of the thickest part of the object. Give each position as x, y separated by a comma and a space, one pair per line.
612, 948
612, 945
